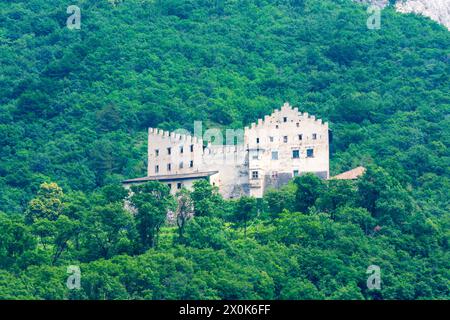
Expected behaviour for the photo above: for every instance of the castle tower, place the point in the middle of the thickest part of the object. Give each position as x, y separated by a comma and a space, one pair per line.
275, 149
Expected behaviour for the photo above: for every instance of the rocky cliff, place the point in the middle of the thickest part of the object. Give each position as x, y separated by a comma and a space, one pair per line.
437, 10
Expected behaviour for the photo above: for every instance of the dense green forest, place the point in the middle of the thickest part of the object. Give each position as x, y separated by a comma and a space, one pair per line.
75, 106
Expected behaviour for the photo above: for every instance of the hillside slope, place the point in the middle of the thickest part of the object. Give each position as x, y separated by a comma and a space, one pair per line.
75, 106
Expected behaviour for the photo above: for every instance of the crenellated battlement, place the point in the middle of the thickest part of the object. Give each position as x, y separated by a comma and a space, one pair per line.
173, 136
287, 110
276, 148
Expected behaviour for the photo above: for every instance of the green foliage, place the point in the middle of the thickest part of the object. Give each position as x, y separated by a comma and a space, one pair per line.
299, 289
278, 200
206, 232
206, 198
75, 105
110, 231
152, 201
245, 210
185, 210
47, 204
15, 240
309, 188
384, 197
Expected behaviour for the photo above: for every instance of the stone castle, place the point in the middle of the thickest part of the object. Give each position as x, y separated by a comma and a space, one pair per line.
270, 152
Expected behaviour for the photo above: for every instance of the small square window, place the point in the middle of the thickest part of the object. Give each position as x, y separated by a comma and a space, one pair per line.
276, 126
310, 153
295, 173
157, 152
295, 154
274, 155
285, 139
156, 169
297, 124
169, 150
254, 174
271, 139
179, 185
300, 137
169, 167
170, 186
314, 136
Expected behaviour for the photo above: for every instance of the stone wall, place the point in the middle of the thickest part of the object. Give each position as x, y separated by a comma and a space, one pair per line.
276, 148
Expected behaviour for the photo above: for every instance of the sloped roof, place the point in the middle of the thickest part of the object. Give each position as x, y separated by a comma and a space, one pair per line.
167, 177
351, 174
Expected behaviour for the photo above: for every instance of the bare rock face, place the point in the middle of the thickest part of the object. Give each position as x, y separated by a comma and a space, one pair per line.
437, 10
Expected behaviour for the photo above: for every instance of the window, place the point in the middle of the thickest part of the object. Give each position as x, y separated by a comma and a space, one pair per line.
295, 173
181, 149
274, 155
170, 186
192, 148
156, 169
179, 185
169, 167
254, 174
271, 139
169, 150
284, 119
285, 139
181, 165
314, 136
310, 153
297, 124
276, 126
257, 140
157, 152
300, 137
295, 154
191, 164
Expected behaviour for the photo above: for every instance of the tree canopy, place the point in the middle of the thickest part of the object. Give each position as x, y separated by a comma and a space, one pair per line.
75, 105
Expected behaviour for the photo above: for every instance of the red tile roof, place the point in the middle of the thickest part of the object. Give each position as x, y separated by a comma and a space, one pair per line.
351, 174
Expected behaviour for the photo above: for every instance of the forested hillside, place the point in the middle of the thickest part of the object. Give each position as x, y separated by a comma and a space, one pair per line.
75, 106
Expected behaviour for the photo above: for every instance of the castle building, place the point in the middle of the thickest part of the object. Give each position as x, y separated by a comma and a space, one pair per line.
270, 152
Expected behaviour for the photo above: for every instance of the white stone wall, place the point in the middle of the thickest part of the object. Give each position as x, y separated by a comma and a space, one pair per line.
158, 143
280, 133
237, 165
231, 162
